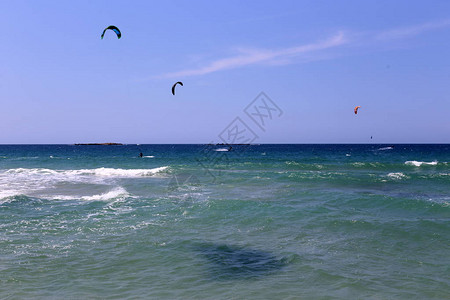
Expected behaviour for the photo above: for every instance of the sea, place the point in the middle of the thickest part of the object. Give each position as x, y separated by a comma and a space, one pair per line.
267, 221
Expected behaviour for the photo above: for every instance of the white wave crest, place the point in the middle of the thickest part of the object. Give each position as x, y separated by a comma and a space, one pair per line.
222, 150
115, 193
397, 176
419, 163
118, 192
386, 148
101, 172
76, 184
6, 196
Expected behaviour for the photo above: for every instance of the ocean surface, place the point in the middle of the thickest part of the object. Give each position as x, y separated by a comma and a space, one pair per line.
210, 222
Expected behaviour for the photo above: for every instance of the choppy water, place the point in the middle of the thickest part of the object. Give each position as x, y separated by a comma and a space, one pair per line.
256, 222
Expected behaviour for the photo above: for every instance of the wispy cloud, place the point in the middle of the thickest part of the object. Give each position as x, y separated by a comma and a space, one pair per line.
258, 56
308, 52
411, 31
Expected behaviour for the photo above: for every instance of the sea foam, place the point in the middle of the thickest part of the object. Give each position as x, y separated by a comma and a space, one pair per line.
397, 175
101, 172
420, 163
42, 183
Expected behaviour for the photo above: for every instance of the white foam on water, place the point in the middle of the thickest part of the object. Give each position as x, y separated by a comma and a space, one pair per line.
420, 163
7, 196
45, 183
397, 175
100, 172
149, 156
386, 148
110, 172
444, 201
294, 163
118, 192
115, 193
222, 150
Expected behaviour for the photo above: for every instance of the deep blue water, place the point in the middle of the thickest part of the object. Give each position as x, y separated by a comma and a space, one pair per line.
256, 222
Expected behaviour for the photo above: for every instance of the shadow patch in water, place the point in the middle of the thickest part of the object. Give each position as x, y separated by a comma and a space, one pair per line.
231, 262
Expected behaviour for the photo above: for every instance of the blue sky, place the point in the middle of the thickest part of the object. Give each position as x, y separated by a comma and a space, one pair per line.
317, 60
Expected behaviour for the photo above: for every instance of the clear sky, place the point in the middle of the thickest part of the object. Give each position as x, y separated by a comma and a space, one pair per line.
317, 60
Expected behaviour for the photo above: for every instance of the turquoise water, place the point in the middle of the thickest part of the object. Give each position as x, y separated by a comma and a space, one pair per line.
256, 222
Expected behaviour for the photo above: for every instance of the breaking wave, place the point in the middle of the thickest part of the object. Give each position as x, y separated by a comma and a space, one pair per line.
420, 163
101, 172
385, 148
397, 175
115, 193
79, 184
